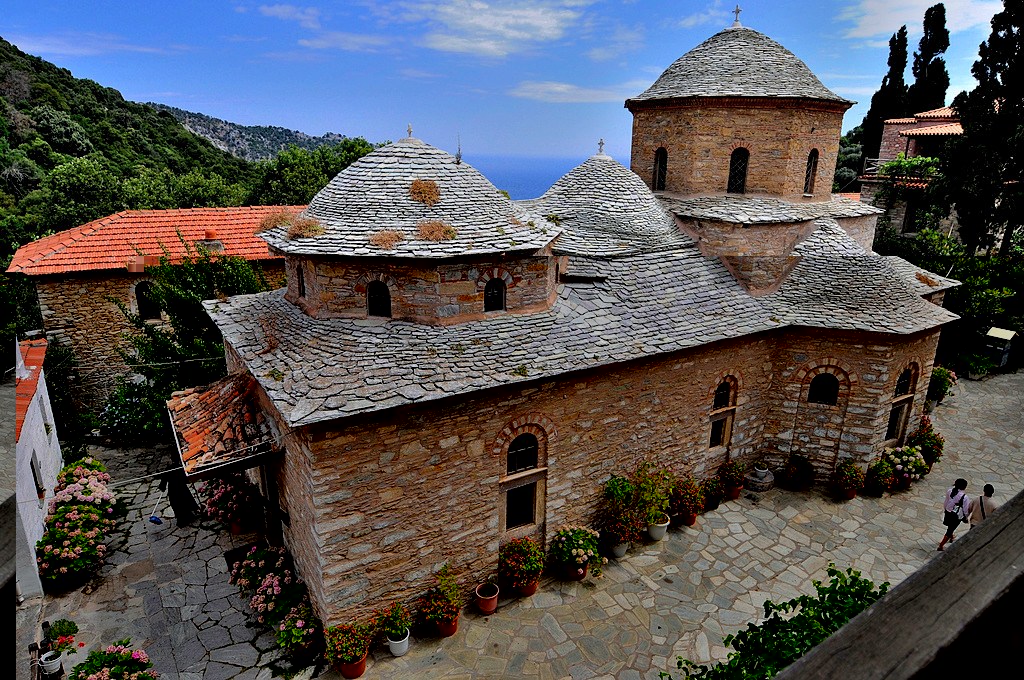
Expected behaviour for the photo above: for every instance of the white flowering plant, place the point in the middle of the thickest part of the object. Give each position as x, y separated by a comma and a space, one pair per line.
576, 545
907, 462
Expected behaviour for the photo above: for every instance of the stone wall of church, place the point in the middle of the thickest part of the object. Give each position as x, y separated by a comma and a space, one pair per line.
378, 505
701, 135
441, 292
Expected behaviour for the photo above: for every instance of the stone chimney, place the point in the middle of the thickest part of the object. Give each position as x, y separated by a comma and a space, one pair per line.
211, 242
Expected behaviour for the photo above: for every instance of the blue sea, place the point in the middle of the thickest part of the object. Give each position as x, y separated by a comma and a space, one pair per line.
522, 177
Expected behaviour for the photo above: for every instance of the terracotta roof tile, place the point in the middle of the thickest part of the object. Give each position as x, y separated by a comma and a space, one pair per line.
219, 423
941, 112
943, 130
32, 354
900, 121
110, 242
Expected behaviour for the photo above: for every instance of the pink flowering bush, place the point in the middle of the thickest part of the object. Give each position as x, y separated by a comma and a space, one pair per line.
301, 628
276, 595
575, 545
907, 462
248, 573
115, 662
80, 472
66, 553
229, 499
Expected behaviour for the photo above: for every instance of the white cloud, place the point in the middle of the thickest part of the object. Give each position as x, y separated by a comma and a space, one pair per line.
493, 28
622, 41
417, 74
713, 12
350, 42
307, 17
881, 17
83, 45
567, 93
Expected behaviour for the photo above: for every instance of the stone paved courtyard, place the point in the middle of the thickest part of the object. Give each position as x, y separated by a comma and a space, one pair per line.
167, 588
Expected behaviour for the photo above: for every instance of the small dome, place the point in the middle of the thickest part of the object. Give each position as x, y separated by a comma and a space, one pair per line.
410, 199
604, 206
737, 62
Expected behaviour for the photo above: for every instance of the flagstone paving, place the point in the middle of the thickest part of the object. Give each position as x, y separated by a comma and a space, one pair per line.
167, 588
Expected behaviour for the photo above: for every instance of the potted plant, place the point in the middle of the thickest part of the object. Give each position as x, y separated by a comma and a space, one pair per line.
299, 633
441, 605
620, 519
713, 492
798, 475
393, 624
574, 551
761, 468
60, 637
652, 488
930, 442
687, 500
879, 478
732, 473
487, 597
347, 647
520, 563
941, 383
847, 479
978, 366
230, 500
118, 660
908, 465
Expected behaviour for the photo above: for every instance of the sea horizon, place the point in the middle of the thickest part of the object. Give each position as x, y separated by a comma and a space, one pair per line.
523, 177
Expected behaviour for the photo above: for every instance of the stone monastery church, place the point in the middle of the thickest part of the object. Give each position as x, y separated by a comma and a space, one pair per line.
448, 369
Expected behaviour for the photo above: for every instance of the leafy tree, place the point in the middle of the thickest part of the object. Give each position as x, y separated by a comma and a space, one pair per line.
982, 169
790, 629
188, 351
296, 175
850, 161
890, 101
931, 80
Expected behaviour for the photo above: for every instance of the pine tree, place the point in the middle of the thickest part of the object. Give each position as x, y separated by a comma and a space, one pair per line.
890, 101
982, 169
931, 80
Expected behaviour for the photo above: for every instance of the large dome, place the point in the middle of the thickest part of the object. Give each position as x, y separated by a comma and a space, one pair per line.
737, 62
399, 191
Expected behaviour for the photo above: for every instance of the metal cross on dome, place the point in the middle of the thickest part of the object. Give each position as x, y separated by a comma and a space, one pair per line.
409, 129
737, 13
600, 145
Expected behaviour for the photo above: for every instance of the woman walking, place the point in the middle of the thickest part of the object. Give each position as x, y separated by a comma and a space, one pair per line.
954, 509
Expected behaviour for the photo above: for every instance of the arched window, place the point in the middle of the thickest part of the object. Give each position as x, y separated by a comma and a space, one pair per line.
723, 412
824, 389
494, 295
149, 308
522, 454
660, 169
523, 482
378, 299
902, 402
738, 163
812, 171
300, 280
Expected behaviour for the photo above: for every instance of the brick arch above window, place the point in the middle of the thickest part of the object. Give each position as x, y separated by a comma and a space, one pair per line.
536, 424
363, 279
806, 373
495, 273
735, 377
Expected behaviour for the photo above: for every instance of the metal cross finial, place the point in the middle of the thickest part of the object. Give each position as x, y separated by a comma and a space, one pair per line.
737, 13
409, 129
600, 145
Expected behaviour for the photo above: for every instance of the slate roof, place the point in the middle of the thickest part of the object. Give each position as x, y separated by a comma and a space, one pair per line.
603, 208
373, 195
109, 242
746, 209
737, 62
33, 352
219, 423
921, 280
646, 304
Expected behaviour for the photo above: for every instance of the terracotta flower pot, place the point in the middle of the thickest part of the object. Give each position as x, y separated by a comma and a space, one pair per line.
528, 589
688, 519
448, 628
848, 494
354, 669
487, 598
573, 571
733, 492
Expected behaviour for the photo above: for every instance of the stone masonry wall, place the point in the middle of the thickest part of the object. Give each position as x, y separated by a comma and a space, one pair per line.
380, 504
701, 135
440, 292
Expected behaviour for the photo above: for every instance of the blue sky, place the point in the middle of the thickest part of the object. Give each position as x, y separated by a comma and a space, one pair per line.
539, 78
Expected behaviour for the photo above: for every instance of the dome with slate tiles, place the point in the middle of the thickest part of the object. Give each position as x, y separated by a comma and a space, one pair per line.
603, 207
410, 199
737, 62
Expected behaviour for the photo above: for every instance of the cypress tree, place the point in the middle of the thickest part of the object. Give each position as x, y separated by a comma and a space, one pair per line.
890, 101
931, 80
982, 170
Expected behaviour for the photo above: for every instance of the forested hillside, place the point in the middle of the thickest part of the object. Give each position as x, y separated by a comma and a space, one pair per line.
72, 150
251, 142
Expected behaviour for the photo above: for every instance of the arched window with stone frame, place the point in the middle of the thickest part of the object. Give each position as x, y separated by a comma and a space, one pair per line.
723, 412
146, 304
660, 169
824, 389
902, 403
811, 173
494, 295
300, 279
739, 161
522, 481
378, 299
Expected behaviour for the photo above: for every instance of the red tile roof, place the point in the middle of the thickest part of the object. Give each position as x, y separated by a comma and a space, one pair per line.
899, 121
32, 354
941, 112
110, 242
219, 423
943, 130
852, 197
